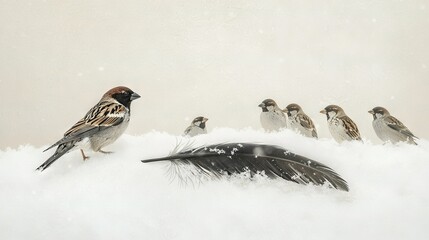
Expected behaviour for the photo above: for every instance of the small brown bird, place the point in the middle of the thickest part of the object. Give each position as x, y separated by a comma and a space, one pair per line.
272, 117
198, 126
342, 128
388, 128
299, 121
101, 126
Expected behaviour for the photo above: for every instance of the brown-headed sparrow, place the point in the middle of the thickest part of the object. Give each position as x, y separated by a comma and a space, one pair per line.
388, 128
198, 126
342, 128
101, 126
299, 121
272, 117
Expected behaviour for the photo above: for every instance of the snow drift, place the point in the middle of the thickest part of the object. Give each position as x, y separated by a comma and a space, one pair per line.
117, 197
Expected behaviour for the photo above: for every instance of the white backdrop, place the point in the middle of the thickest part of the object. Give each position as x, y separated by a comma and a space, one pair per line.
219, 59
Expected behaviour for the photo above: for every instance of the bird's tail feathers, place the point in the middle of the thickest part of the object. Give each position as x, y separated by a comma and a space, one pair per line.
53, 145
61, 150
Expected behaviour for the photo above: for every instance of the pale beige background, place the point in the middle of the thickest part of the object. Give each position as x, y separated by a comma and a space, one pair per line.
216, 58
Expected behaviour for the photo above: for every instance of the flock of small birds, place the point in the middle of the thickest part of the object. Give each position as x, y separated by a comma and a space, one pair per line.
108, 119
342, 128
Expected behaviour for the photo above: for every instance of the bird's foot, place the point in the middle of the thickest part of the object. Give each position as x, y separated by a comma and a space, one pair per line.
83, 155
105, 152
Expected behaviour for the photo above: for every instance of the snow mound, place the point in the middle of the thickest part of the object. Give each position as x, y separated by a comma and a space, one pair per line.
117, 197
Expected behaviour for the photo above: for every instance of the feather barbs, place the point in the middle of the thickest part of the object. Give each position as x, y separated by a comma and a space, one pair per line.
275, 162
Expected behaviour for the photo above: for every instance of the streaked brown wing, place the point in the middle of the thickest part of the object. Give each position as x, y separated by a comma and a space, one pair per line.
101, 116
305, 121
351, 127
397, 125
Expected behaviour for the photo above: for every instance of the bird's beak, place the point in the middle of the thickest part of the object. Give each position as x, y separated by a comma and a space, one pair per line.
205, 119
371, 112
261, 105
134, 96
323, 111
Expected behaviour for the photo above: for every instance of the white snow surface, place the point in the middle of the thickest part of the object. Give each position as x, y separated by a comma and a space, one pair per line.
116, 196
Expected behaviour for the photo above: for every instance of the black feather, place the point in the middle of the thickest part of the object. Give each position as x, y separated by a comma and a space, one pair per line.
274, 161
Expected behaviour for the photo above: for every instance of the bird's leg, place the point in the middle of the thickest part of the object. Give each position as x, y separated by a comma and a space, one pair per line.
83, 155
105, 152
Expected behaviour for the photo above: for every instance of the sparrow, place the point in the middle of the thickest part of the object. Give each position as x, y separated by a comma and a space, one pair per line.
299, 121
198, 126
101, 126
342, 128
272, 117
388, 128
